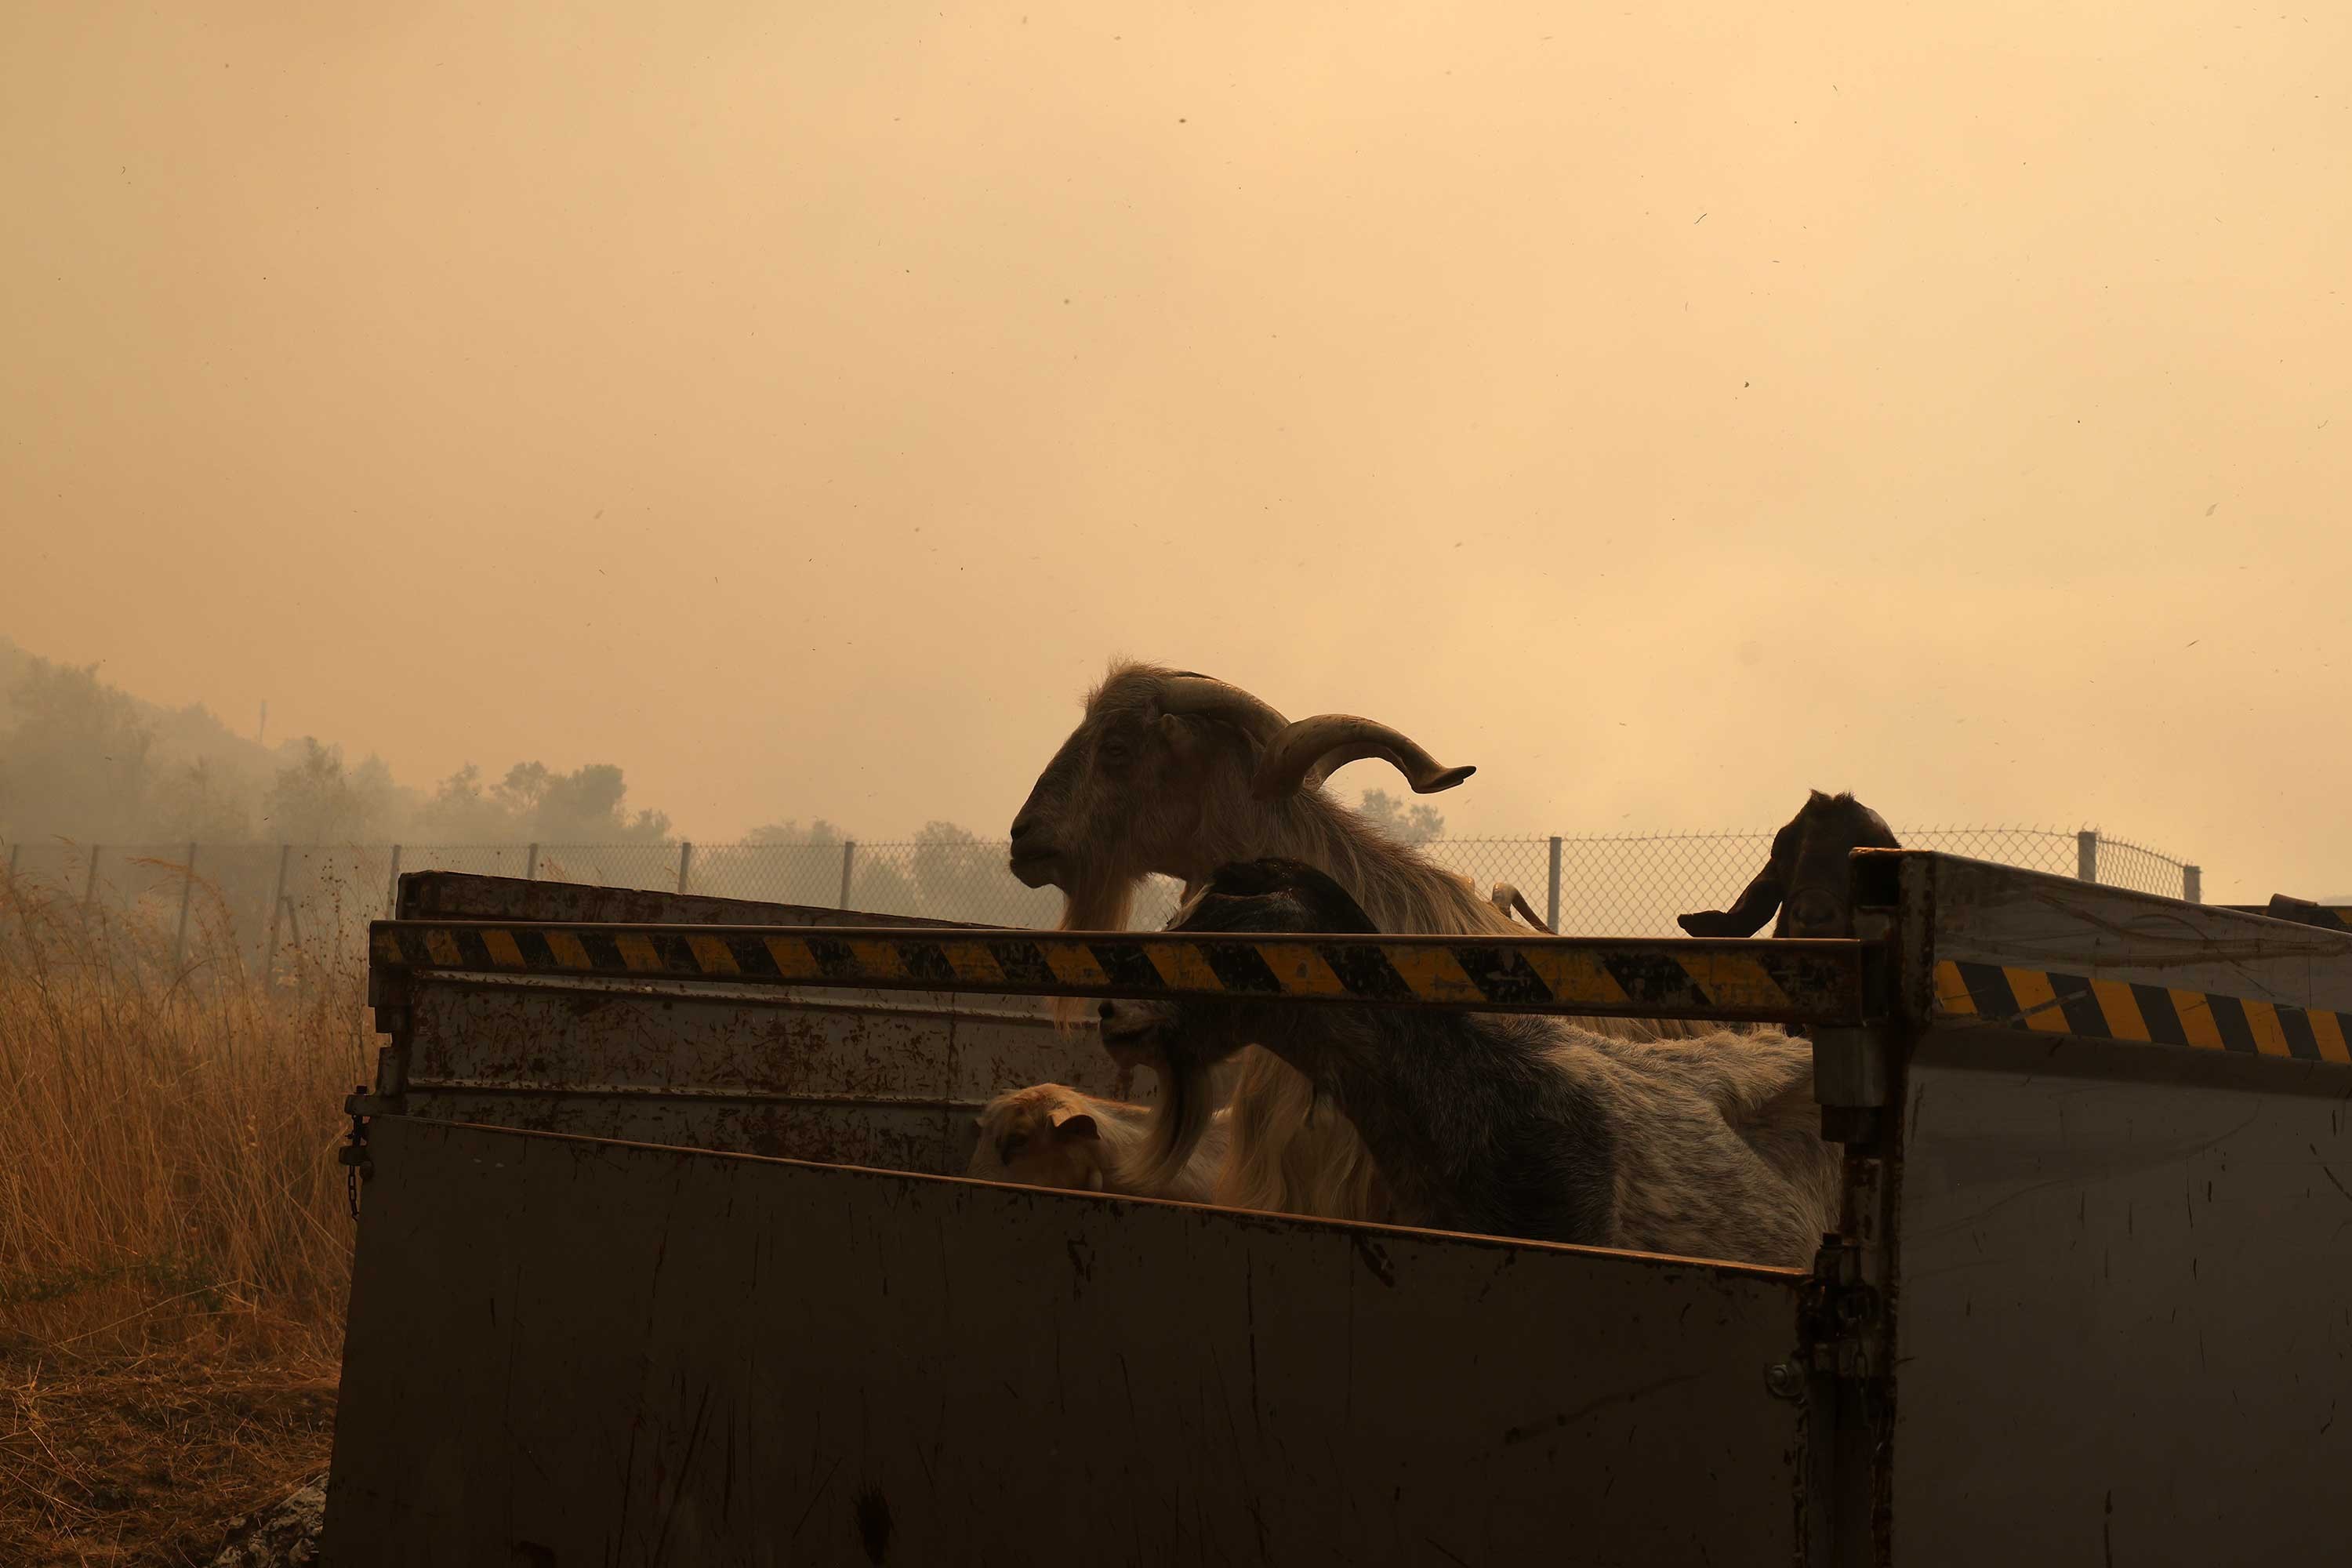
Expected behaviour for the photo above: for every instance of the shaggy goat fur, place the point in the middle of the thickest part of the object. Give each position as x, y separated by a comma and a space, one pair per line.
1139, 789
1519, 1126
1806, 877
1051, 1135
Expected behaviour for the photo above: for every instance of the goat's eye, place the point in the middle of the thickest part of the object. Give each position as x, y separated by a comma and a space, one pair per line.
1116, 750
1014, 1145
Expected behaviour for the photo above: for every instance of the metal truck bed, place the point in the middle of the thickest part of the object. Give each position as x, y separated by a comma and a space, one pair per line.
663, 1257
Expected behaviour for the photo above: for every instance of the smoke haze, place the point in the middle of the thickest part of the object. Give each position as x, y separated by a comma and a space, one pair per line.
796, 406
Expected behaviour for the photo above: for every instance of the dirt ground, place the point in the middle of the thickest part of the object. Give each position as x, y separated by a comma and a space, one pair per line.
146, 1461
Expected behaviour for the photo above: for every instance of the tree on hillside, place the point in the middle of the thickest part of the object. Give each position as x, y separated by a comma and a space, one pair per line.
76, 760
946, 857
586, 805
459, 811
315, 800
198, 802
1412, 826
534, 803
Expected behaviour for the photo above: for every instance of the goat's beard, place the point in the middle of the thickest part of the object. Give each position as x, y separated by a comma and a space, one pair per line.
1188, 1099
1091, 902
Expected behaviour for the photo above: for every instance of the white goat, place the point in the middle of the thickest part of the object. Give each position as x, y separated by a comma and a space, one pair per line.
1177, 774
1513, 1125
1051, 1135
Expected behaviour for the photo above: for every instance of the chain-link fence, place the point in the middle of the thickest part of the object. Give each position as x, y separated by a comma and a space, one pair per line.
265, 903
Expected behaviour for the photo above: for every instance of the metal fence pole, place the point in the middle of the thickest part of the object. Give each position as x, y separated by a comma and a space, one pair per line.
531, 865
90, 887
684, 861
2086, 855
848, 853
392, 888
1551, 897
188, 891
277, 902
2193, 884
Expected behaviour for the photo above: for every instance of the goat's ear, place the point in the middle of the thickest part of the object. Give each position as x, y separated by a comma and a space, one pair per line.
1080, 1125
1745, 918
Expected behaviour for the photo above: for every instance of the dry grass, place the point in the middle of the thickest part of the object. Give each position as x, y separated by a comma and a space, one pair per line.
174, 1240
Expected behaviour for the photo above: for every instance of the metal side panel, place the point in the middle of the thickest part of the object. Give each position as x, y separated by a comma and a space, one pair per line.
460, 895
2124, 1305
870, 1078
2001, 917
463, 896
566, 1352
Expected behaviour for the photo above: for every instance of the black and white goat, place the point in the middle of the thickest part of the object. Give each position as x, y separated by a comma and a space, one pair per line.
1505, 1124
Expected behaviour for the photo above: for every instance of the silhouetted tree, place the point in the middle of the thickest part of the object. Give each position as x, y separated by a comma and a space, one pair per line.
533, 802
198, 802
1414, 824
76, 760
316, 801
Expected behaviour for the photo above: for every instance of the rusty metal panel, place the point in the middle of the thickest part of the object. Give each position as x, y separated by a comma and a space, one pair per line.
873, 1078
1986, 944
2121, 1332
462, 896
1815, 982
569, 1351
2302, 912
1997, 915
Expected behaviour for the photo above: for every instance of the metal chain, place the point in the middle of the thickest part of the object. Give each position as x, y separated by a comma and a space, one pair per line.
354, 1155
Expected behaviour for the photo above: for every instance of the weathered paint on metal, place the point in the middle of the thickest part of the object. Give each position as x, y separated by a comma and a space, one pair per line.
462, 896
1817, 981
1962, 914
2122, 1334
567, 1352
2300, 912
2051, 1002
869, 1079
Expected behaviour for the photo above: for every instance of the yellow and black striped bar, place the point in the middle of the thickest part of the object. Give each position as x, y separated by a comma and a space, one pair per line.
1781, 982
2056, 1004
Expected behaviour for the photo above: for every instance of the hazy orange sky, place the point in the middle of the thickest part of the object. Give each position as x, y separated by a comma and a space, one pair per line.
796, 404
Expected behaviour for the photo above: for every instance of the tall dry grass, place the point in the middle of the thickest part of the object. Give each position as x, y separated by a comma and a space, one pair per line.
168, 1130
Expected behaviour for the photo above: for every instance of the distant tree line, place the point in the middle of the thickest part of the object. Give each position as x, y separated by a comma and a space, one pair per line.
81, 758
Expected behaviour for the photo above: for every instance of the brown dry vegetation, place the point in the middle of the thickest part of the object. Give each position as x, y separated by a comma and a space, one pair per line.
174, 1238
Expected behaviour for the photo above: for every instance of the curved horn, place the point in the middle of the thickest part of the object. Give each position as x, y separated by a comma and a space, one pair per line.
1207, 698
1307, 753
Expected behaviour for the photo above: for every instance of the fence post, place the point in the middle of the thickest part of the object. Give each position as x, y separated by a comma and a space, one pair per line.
1551, 896
848, 852
14, 850
90, 887
392, 888
277, 902
685, 860
187, 890
2086, 855
2193, 884
531, 865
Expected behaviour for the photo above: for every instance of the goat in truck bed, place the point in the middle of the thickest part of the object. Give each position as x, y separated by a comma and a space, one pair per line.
1508, 1125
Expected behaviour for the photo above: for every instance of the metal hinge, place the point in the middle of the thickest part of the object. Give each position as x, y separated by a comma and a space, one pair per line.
1839, 1313
358, 1105
1840, 1321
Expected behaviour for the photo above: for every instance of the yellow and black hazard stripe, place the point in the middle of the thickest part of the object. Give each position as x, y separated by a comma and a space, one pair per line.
1766, 982
2056, 1004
